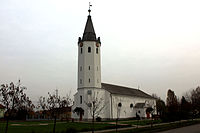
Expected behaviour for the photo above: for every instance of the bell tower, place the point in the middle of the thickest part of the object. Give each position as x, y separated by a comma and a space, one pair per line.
89, 57
89, 72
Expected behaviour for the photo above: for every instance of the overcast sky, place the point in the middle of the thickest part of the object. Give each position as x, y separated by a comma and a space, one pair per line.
154, 44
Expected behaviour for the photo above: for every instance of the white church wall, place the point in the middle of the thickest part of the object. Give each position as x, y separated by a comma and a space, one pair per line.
97, 95
126, 111
74, 115
89, 65
108, 109
89, 95
78, 103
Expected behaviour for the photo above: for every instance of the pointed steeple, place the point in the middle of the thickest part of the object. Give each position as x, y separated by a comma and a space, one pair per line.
89, 33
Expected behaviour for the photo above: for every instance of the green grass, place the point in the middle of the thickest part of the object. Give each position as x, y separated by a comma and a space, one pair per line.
64, 127
61, 127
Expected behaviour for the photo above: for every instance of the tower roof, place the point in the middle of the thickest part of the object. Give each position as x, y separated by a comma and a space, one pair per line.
89, 33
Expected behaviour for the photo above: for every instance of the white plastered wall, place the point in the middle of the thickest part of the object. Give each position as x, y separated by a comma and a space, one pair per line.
97, 95
126, 111
85, 60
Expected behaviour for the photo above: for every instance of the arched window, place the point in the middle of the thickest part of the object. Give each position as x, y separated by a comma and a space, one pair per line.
131, 105
80, 68
97, 50
89, 49
119, 104
80, 81
89, 80
89, 67
81, 50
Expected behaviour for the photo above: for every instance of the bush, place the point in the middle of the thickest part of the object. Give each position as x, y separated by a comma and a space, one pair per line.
98, 119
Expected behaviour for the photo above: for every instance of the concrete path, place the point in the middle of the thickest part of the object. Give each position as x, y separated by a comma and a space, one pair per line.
188, 129
195, 129
110, 130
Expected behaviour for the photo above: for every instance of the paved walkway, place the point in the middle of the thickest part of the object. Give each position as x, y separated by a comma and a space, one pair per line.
139, 126
110, 130
188, 129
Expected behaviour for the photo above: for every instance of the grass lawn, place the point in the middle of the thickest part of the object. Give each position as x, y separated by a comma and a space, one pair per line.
47, 127
72, 127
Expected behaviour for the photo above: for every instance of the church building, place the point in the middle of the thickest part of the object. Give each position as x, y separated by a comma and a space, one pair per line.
104, 100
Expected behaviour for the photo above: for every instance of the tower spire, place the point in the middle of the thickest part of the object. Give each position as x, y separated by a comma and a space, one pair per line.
89, 33
89, 8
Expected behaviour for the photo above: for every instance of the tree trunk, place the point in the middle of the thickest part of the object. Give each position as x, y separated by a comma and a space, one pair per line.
93, 123
54, 125
6, 125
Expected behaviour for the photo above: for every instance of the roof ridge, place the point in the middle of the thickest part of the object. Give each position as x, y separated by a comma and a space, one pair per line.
120, 86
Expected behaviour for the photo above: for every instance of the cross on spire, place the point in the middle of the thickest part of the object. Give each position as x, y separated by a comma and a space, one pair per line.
89, 8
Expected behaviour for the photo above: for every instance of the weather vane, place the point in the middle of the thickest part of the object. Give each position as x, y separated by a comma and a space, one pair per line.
89, 8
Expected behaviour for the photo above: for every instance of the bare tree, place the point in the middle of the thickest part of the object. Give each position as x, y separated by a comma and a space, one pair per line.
54, 104
95, 105
66, 101
15, 100
42, 105
195, 98
188, 96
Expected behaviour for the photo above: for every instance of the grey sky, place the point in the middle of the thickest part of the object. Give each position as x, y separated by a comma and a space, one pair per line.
152, 44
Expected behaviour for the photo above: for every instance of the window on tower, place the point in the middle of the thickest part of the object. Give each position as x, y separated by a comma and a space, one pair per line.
97, 50
89, 67
89, 80
81, 100
80, 81
89, 49
80, 68
81, 50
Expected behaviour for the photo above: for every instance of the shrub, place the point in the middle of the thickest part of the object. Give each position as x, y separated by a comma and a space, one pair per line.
98, 119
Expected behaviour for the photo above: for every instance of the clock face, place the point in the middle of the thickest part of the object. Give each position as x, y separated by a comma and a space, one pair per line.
97, 44
81, 44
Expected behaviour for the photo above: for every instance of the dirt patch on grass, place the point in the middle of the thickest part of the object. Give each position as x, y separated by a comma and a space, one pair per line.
39, 124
